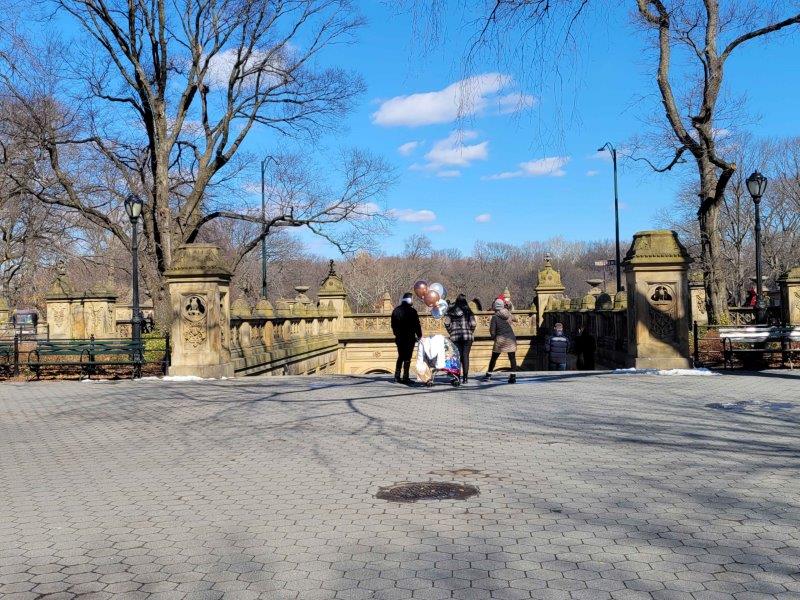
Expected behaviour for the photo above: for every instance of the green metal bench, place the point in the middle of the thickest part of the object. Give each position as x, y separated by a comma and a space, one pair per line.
87, 355
8, 352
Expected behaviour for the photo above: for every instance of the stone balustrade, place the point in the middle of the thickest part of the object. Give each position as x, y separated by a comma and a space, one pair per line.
294, 338
605, 318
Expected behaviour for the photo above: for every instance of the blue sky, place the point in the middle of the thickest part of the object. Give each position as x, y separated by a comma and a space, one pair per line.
508, 183
511, 171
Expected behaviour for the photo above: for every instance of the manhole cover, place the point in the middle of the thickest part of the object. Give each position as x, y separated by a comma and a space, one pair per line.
427, 490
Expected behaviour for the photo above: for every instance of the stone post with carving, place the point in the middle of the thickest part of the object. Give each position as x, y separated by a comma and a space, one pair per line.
697, 299
332, 295
790, 296
198, 284
549, 286
79, 315
656, 268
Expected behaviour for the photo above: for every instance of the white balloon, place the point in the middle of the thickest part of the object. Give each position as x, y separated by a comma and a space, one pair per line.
439, 288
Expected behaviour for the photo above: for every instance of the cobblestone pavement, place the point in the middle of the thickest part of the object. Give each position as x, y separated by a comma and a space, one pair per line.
591, 486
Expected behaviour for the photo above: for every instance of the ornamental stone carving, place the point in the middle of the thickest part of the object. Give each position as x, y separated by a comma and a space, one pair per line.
198, 285
656, 271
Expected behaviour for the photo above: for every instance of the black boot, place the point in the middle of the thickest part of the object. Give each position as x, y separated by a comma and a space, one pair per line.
397, 377
512, 378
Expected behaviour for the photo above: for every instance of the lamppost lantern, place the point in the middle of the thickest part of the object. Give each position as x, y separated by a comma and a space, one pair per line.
133, 206
756, 185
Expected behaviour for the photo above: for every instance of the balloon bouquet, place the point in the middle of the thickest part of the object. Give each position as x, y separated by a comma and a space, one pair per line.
433, 296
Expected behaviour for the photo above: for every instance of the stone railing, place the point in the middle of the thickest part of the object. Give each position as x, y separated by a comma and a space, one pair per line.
297, 339
604, 317
367, 342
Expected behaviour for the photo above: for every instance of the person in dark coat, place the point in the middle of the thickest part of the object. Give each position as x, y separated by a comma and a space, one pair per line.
584, 347
505, 341
407, 330
557, 346
460, 323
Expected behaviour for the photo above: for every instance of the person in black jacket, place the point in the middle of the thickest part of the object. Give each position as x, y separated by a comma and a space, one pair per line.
557, 347
407, 330
584, 348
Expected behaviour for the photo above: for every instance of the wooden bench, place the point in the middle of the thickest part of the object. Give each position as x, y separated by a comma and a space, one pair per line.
759, 340
87, 355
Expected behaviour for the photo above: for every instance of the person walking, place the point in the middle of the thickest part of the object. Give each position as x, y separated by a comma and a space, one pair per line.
460, 323
557, 346
407, 330
504, 339
584, 347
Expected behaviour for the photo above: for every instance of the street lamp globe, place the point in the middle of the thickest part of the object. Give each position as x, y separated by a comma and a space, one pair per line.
756, 185
133, 206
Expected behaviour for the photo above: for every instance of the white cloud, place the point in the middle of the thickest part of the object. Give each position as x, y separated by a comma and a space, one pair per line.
270, 63
592, 173
470, 96
434, 228
449, 173
484, 218
601, 155
514, 102
369, 208
452, 152
409, 215
408, 148
551, 166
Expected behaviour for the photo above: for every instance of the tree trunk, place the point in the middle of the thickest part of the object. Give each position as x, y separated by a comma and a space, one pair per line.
712, 251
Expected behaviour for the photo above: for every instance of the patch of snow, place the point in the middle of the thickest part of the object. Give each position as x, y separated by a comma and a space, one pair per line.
673, 372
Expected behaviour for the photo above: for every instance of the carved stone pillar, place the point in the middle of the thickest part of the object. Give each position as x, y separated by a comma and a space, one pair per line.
4, 310
332, 291
549, 286
658, 301
198, 285
790, 296
697, 299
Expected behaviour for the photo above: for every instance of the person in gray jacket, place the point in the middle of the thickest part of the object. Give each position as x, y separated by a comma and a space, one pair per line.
504, 339
557, 346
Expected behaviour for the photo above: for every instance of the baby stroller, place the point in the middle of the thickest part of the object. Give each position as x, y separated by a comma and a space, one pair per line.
437, 354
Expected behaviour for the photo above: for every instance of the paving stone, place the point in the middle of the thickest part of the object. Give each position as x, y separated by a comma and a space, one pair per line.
591, 487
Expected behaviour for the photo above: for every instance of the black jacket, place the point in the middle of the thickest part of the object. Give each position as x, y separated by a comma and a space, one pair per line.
405, 323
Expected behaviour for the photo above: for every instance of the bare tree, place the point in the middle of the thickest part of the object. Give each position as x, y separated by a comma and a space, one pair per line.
780, 214
166, 95
703, 34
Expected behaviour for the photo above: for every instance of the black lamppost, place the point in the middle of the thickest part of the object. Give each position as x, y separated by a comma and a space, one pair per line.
133, 206
616, 210
264, 221
757, 185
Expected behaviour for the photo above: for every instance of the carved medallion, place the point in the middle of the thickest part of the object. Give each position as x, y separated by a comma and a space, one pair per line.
662, 312
194, 308
195, 312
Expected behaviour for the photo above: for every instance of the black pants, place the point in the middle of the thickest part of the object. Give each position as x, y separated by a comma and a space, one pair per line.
405, 348
512, 358
464, 348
